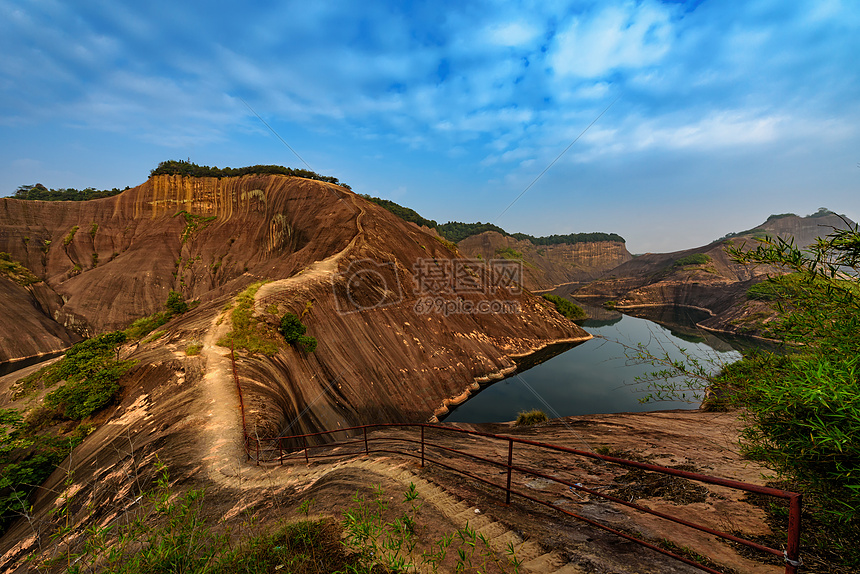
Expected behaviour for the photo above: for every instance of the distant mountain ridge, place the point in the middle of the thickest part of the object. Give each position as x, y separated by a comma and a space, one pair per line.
548, 261
705, 277
457, 231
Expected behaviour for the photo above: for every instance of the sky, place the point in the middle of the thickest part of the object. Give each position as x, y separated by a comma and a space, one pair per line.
669, 123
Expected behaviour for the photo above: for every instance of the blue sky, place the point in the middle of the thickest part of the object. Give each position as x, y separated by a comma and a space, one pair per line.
724, 112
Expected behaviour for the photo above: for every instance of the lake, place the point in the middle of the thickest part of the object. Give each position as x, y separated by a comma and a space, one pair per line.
597, 376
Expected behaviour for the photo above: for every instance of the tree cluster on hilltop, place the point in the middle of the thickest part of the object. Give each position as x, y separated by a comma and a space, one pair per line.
190, 169
457, 231
39, 192
570, 238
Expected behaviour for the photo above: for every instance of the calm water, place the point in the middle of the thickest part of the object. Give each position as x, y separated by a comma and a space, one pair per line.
596, 376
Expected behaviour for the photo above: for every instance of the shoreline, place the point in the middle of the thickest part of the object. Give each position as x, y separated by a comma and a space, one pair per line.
496, 376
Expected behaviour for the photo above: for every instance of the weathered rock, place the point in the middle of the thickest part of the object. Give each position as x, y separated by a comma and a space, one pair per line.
384, 352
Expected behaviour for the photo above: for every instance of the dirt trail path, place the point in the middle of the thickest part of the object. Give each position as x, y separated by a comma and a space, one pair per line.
225, 456
222, 432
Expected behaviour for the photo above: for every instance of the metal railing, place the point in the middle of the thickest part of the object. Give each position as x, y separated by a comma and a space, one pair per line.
357, 441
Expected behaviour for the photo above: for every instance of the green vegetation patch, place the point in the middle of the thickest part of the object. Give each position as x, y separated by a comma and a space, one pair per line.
248, 333
403, 213
802, 409
70, 236
31, 443
532, 417
27, 459
693, 259
571, 238
16, 272
39, 192
509, 253
194, 223
293, 330
145, 325
565, 307
168, 531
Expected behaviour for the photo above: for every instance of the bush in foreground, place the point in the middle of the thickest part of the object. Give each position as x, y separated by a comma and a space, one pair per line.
531, 417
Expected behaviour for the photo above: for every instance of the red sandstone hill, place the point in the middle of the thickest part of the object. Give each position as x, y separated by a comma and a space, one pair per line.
107, 262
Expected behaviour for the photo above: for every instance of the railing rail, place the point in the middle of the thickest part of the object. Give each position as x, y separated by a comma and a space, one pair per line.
272, 450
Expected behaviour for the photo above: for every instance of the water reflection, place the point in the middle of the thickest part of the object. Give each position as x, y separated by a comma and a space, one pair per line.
596, 376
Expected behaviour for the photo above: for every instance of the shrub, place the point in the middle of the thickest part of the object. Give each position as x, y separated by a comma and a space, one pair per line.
145, 325
565, 307
693, 259
308, 344
532, 417
176, 303
294, 332
193, 349
509, 253
291, 327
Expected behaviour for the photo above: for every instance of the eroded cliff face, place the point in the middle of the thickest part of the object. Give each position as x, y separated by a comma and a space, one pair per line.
116, 259
547, 266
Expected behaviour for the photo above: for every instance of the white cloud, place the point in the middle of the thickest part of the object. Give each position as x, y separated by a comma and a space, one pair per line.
626, 36
512, 34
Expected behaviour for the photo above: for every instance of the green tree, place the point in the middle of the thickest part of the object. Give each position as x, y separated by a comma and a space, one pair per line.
293, 330
176, 303
291, 327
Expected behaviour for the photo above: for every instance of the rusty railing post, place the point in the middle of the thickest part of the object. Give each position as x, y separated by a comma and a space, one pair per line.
510, 462
792, 553
280, 452
366, 450
258, 451
305, 445
422, 446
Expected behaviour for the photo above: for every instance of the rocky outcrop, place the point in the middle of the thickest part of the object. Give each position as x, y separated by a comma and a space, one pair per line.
546, 266
28, 331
